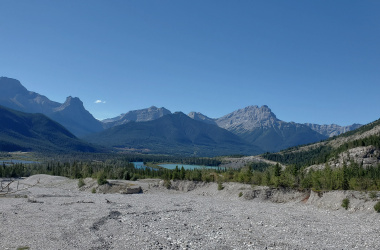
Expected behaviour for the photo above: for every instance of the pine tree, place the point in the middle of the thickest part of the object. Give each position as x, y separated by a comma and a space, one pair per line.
277, 170
345, 184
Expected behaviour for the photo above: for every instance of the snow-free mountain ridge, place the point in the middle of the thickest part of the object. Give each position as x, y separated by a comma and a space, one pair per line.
142, 115
332, 129
174, 134
256, 126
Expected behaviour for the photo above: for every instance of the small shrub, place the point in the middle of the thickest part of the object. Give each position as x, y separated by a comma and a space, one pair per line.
220, 186
373, 195
167, 184
377, 207
93, 190
240, 194
134, 177
32, 200
81, 183
21, 196
345, 203
102, 179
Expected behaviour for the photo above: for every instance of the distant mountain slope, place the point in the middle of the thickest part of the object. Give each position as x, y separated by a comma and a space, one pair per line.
70, 114
142, 115
15, 96
174, 134
76, 118
260, 127
332, 129
36, 132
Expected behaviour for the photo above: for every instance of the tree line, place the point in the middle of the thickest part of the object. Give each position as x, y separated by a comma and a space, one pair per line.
351, 176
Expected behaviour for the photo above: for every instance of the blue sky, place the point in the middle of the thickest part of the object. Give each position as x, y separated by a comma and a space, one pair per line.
309, 61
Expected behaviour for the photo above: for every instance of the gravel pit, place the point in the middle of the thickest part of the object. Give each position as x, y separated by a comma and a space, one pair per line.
55, 214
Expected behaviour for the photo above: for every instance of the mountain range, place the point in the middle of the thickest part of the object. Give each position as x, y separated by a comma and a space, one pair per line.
260, 126
71, 114
250, 130
174, 134
332, 129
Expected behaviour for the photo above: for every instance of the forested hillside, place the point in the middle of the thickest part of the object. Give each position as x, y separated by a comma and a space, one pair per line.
35, 132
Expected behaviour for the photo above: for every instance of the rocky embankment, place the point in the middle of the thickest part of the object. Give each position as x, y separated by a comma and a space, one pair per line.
366, 156
53, 213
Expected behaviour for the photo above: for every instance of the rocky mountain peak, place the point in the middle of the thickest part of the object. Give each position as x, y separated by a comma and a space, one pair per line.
11, 87
195, 115
141, 115
258, 113
248, 118
201, 117
72, 102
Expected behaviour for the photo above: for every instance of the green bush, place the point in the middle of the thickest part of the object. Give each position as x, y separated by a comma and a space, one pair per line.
81, 183
345, 203
220, 186
102, 178
240, 194
377, 207
93, 190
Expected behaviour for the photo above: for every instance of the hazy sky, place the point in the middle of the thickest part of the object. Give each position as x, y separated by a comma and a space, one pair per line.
309, 61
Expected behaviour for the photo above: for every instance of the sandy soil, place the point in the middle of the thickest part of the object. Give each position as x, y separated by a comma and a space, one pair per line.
55, 214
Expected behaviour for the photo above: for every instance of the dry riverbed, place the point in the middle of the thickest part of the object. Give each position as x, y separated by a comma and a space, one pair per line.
53, 213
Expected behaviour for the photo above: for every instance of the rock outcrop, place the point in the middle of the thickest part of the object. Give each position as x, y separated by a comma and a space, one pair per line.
365, 156
260, 126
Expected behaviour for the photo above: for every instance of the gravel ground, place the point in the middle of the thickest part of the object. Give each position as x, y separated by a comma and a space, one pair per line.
57, 215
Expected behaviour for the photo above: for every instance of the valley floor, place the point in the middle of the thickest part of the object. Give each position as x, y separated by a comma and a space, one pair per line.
57, 215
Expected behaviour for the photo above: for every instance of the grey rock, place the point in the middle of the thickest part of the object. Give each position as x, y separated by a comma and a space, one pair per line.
248, 118
201, 117
366, 156
132, 190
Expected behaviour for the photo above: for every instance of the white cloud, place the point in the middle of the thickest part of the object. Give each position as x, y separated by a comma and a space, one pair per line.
99, 101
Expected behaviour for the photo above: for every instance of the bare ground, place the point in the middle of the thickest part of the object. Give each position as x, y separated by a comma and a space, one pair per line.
55, 214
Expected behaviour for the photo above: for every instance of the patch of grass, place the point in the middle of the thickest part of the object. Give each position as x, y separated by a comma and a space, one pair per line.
377, 207
345, 203
21, 196
23, 248
93, 190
